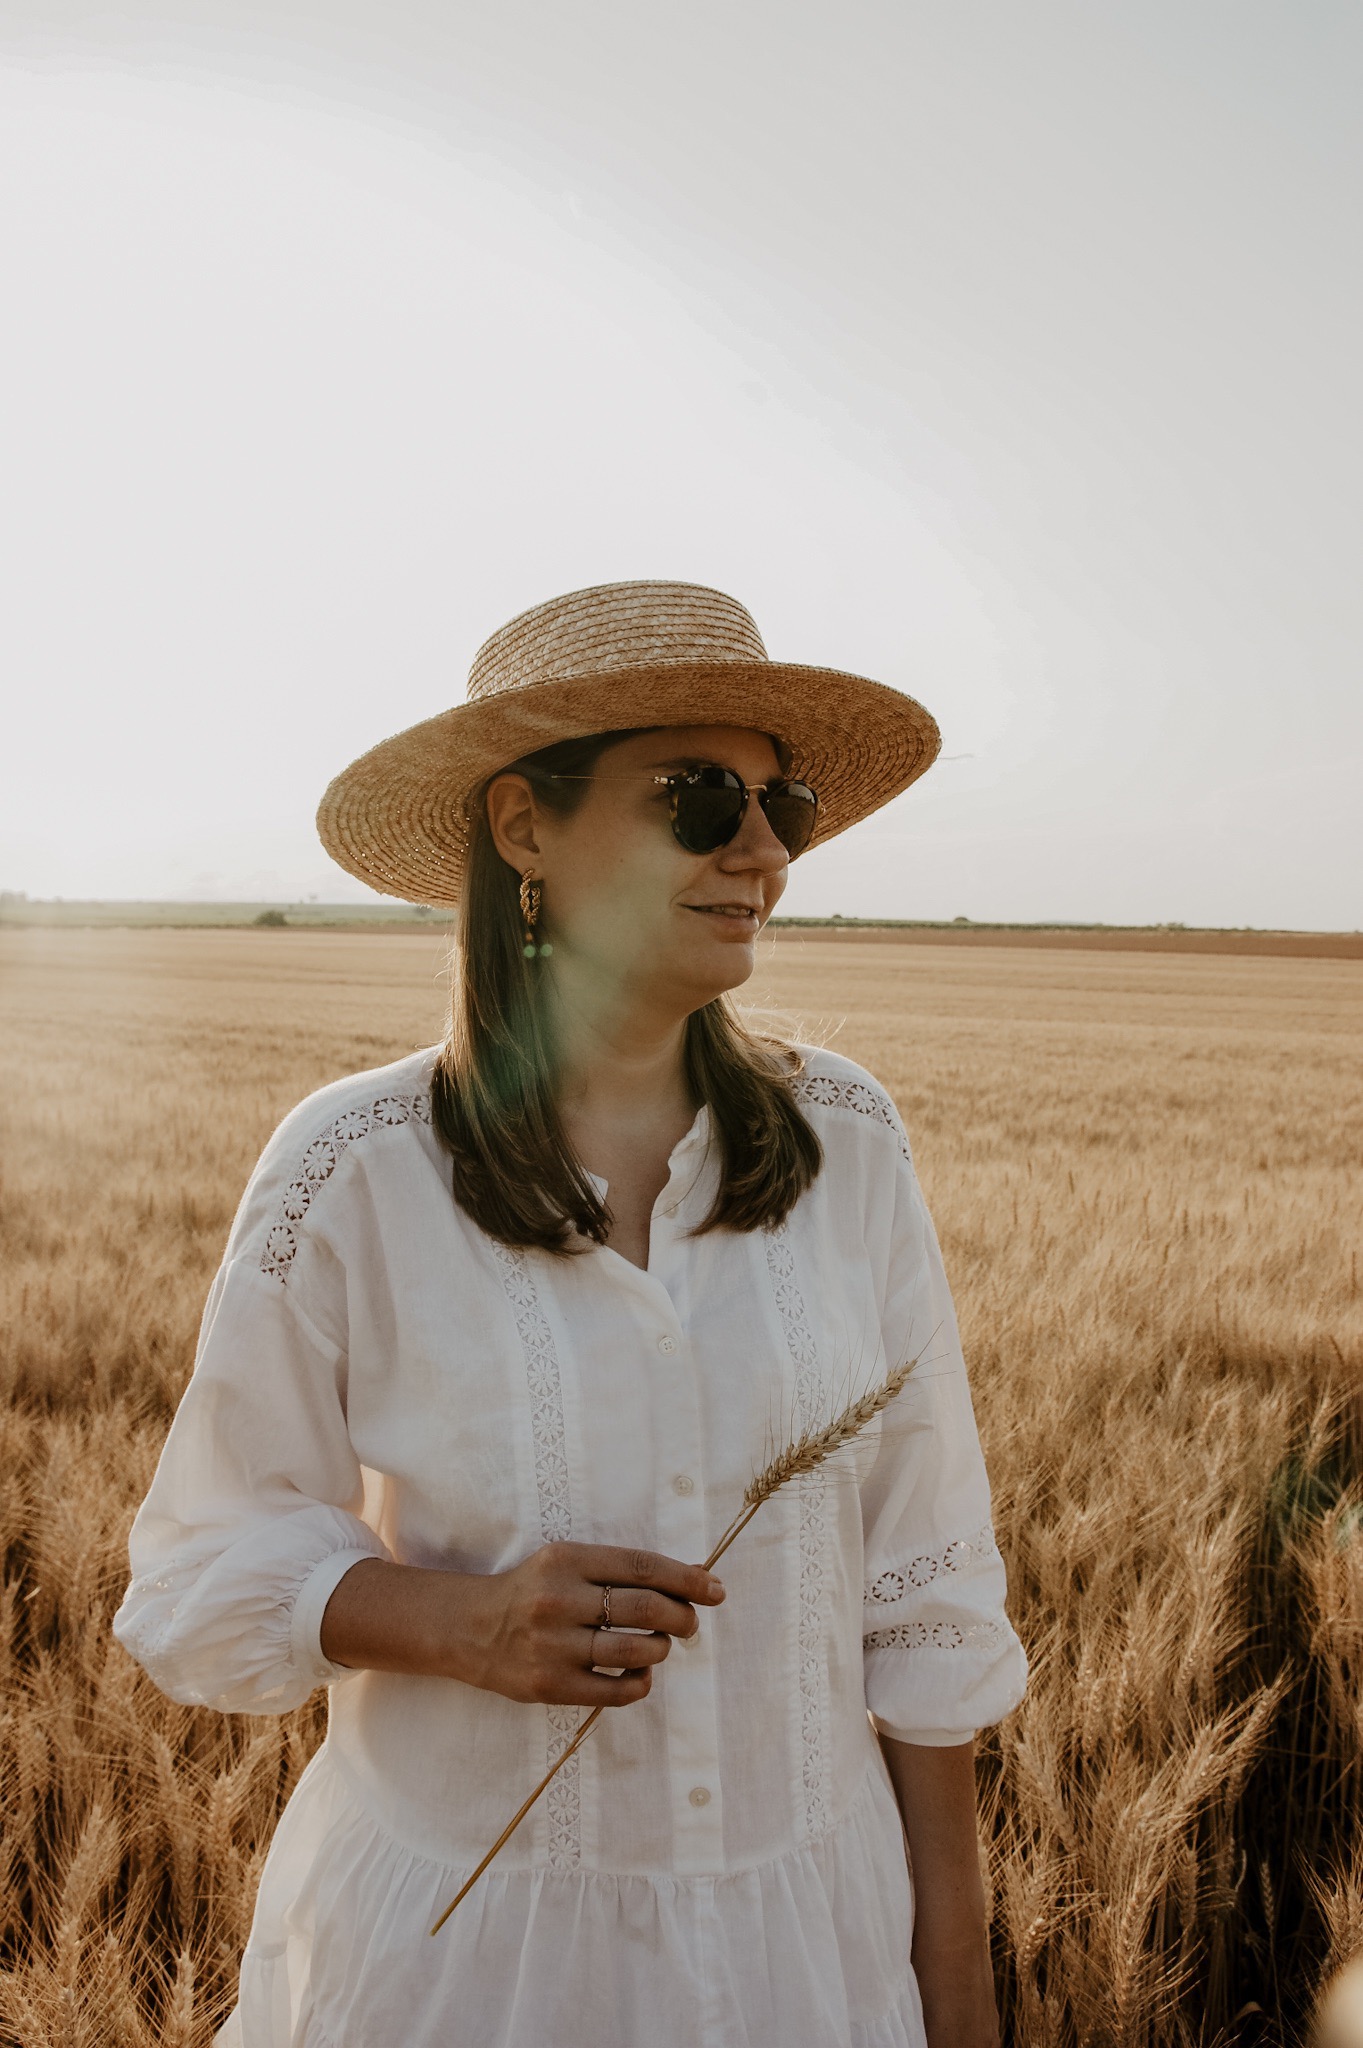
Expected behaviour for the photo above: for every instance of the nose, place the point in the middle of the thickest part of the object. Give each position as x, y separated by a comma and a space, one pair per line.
754, 845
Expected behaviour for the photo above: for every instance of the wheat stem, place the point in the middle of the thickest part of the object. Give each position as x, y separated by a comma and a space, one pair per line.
802, 1455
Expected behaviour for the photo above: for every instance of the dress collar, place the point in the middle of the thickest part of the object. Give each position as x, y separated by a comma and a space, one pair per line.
696, 1139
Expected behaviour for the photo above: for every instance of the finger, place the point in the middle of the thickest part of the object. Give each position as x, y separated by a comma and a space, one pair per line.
599, 1689
605, 1565
638, 1607
620, 1652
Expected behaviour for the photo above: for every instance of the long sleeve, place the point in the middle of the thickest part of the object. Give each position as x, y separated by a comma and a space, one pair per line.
941, 1657
254, 1513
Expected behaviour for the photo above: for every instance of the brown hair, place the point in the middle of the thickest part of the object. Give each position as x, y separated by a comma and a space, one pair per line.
493, 1099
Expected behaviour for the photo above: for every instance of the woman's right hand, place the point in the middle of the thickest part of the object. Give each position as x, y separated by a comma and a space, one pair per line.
533, 1633
538, 1633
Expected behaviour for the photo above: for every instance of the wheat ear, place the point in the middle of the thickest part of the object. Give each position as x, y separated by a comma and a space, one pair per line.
802, 1455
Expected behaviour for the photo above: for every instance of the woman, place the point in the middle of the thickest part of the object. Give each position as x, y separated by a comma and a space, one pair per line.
503, 1331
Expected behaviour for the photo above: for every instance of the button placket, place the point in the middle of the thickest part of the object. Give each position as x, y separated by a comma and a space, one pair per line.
689, 1675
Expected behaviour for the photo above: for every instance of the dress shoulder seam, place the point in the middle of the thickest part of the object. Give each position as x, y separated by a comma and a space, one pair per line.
856, 1093
319, 1162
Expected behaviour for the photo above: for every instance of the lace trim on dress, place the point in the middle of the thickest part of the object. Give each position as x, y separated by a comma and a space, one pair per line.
922, 1570
320, 1161
826, 1092
940, 1635
812, 1487
563, 1800
145, 1635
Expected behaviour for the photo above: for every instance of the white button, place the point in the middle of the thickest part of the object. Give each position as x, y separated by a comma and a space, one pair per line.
683, 1483
689, 1642
699, 1796
668, 1344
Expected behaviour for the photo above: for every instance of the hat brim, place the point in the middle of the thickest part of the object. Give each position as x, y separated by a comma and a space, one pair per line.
399, 818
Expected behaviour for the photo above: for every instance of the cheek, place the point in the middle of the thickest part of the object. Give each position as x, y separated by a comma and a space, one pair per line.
620, 879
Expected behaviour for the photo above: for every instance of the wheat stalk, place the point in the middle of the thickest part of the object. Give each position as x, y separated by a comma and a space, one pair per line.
802, 1455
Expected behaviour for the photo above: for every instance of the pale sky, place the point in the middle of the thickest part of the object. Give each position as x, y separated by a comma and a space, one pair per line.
1006, 353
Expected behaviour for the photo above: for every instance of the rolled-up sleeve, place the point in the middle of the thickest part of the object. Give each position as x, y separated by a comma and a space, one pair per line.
253, 1517
941, 1658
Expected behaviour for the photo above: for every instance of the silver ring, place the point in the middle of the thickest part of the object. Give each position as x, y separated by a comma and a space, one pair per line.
605, 1620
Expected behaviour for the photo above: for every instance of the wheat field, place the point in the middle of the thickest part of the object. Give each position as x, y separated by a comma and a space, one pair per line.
1145, 1172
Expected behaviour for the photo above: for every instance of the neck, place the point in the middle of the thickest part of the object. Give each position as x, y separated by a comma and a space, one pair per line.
620, 1052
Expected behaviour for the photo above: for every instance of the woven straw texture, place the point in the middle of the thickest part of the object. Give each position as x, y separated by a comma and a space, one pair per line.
603, 660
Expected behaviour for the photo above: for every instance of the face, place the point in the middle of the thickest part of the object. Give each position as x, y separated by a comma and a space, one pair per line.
621, 897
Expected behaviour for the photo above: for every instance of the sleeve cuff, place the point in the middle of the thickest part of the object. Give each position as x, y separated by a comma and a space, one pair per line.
305, 1632
924, 1738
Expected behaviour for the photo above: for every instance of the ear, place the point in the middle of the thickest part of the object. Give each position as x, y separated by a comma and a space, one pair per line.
512, 818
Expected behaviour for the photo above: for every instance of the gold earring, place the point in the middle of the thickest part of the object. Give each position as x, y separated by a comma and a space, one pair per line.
530, 911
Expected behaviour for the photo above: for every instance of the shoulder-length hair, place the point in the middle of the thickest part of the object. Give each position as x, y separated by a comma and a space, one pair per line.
494, 1092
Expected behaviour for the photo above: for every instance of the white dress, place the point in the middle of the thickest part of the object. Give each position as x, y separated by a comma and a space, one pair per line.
722, 1864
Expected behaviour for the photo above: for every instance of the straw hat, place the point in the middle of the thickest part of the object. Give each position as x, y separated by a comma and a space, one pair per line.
603, 660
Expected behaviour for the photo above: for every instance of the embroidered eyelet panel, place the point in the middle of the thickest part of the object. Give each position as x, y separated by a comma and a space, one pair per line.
810, 1403
825, 1091
929, 1565
544, 1381
921, 1571
149, 1637
942, 1635
320, 1161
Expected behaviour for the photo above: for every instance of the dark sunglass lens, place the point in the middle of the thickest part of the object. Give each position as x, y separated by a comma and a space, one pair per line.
791, 809
707, 808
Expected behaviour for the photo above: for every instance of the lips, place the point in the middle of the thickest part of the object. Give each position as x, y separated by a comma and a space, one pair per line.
742, 916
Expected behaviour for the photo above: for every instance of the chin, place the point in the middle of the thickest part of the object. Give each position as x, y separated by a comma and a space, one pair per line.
720, 977
709, 962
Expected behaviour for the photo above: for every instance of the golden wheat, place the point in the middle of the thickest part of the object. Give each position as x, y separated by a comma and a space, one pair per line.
1145, 1173
815, 1446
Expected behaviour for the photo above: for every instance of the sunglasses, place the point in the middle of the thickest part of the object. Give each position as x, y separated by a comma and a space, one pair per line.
709, 804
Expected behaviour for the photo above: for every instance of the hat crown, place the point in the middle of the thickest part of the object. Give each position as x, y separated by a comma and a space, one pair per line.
615, 626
